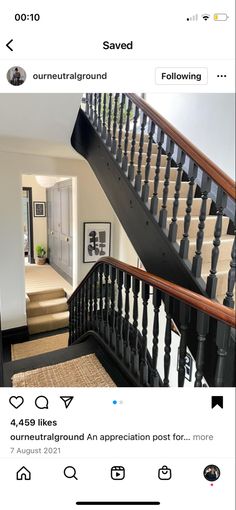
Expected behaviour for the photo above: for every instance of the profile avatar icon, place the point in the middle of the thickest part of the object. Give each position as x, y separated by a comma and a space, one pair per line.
16, 76
211, 473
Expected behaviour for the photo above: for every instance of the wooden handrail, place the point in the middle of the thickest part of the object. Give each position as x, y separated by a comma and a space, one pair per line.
201, 303
219, 177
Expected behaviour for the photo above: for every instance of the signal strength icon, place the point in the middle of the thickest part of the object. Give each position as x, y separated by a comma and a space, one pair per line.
193, 18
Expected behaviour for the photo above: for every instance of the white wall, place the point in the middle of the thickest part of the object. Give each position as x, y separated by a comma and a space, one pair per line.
39, 224
208, 120
89, 204
12, 284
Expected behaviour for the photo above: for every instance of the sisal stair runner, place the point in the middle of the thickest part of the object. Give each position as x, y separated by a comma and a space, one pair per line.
86, 371
47, 310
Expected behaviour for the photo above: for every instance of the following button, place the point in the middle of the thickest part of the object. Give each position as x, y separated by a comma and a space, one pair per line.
181, 75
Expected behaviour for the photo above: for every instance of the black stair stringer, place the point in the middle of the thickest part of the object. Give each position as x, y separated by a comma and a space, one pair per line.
158, 255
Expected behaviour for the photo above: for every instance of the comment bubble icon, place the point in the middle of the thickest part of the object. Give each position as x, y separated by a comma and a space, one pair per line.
41, 402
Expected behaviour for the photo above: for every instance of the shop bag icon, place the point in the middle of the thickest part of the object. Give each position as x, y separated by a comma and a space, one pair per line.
164, 473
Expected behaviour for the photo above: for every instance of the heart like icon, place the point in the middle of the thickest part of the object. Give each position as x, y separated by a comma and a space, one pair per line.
16, 402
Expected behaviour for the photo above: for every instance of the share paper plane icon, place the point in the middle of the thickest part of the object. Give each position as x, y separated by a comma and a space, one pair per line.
67, 400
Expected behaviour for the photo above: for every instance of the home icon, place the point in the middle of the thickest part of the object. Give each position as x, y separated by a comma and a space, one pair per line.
23, 474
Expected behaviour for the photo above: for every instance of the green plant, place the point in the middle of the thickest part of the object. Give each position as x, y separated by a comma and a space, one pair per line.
40, 250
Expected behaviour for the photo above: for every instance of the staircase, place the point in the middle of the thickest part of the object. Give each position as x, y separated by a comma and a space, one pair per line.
121, 332
167, 194
46, 310
178, 209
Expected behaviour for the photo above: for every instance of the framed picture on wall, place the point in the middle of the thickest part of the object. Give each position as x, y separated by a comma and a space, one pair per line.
39, 209
97, 241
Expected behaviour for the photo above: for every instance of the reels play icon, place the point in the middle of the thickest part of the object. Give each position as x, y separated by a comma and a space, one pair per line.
117, 473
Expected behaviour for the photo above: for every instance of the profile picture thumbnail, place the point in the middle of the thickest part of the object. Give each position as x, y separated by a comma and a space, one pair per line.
16, 76
211, 473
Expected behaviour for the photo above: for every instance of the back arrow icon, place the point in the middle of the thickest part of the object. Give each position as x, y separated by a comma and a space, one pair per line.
8, 45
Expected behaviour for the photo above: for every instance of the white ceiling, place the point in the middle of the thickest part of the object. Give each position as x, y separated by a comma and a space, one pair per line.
38, 123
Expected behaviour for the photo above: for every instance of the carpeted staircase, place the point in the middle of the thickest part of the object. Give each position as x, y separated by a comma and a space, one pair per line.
226, 239
47, 310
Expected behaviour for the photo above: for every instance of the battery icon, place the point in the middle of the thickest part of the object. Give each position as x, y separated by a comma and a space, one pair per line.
220, 17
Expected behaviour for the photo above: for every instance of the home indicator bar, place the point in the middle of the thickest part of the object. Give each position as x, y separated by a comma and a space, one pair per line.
116, 503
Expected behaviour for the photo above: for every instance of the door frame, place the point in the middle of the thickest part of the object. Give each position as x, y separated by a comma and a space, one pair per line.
31, 258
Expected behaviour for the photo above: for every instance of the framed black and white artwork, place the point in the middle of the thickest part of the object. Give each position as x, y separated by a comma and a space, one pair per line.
97, 241
39, 209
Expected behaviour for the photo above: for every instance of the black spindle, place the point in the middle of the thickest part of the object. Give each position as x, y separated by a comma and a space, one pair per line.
133, 143
107, 302
167, 301
99, 120
156, 307
143, 364
228, 300
108, 141
180, 160
90, 302
221, 201
80, 317
138, 177
145, 188
202, 330
127, 284
95, 118
71, 327
121, 121
86, 305
101, 294
113, 311
135, 353
163, 212
184, 244
87, 104
95, 299
91, 113
197, 259
83, 309
184, 322
154, 201
222, 342
114, 141
126, 143
104, 117
120, 339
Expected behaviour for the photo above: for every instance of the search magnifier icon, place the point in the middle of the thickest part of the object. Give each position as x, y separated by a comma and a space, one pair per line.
70, 472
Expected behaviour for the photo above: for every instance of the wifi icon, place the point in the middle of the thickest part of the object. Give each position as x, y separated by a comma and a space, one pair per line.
205, 16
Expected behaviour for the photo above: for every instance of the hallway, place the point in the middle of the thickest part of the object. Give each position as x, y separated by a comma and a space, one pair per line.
38, 278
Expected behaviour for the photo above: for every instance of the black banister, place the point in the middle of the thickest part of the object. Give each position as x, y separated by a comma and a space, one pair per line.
114, 300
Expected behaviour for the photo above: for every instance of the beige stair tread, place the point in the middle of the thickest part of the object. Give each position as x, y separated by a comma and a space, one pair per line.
182, 206
209, 226
171, 188
224, 248
35, 308
223, 267
152, 172
48, 322
44, 295
40, 346
221, 275
153, 159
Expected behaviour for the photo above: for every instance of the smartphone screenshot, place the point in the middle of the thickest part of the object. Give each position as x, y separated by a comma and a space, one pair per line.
117, 255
